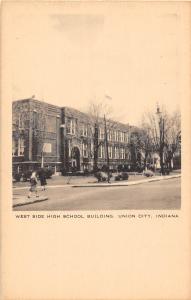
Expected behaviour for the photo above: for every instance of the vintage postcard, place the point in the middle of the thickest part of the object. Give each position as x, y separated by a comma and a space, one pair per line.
95, 150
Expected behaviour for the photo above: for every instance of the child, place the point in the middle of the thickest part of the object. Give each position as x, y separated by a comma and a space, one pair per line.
33, 185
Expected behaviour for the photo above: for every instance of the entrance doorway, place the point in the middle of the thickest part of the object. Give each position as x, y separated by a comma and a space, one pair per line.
75, 158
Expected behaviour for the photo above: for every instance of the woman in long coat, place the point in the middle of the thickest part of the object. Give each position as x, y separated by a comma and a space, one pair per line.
42, 178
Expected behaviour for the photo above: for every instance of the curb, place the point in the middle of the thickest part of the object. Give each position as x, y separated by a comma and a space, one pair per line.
159, 178
49, 187
105, 184
30, 202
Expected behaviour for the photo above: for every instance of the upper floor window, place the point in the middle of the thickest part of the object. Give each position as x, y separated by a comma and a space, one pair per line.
50, 123
118, 136
110, 135
116, 152
126, 137
101, 133
115, 135
71, 126
84, 130
122, 136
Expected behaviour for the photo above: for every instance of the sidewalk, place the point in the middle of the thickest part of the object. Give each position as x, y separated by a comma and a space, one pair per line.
128, 183
23, 200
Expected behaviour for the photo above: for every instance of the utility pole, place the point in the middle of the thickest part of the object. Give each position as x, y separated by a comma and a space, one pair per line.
107, 152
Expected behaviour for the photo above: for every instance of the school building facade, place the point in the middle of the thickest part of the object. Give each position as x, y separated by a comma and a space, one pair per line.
62, 138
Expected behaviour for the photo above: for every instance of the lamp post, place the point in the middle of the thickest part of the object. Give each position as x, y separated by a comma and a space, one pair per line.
161, 138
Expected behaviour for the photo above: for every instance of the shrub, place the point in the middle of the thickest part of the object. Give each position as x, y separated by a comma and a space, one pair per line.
166, 171
117, 177
148, 173
17, 176
101, 176
124, 176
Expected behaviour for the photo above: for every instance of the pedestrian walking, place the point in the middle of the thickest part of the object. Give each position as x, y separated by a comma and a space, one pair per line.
42, 177
33, 185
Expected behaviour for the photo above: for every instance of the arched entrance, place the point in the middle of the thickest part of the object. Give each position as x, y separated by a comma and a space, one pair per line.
75, 158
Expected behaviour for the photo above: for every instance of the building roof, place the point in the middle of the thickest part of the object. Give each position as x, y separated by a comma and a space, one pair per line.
36, 101
75, 113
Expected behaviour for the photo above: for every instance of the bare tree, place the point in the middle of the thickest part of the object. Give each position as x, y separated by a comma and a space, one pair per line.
29, 125
163, 134
20, 122
141, 146
97, 111
172, 136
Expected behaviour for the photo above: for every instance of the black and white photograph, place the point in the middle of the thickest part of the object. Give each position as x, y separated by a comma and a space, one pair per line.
96, 112
95, 150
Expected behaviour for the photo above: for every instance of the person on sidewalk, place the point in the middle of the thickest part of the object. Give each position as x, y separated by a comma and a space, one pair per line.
42, 177
33, 185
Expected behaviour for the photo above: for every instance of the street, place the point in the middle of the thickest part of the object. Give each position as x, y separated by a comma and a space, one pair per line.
164, 194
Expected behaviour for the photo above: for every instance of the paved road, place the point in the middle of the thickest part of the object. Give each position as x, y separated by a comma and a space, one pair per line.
164, 194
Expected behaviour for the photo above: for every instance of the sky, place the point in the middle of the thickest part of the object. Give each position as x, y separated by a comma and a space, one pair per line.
69, 56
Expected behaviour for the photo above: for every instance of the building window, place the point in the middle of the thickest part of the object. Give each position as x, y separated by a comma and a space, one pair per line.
71, 126
21, 122
84, 130
126, 137
123, 137
101, 151
50, 124
110, 133
14, 148
85, 149
110, 151
21, 147
69, 148
115, 135
122, 153
116, 152
101, 133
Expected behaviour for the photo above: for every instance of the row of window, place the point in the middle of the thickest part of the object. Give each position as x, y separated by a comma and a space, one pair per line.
112, 135
72, 125
18, 147
113, 152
